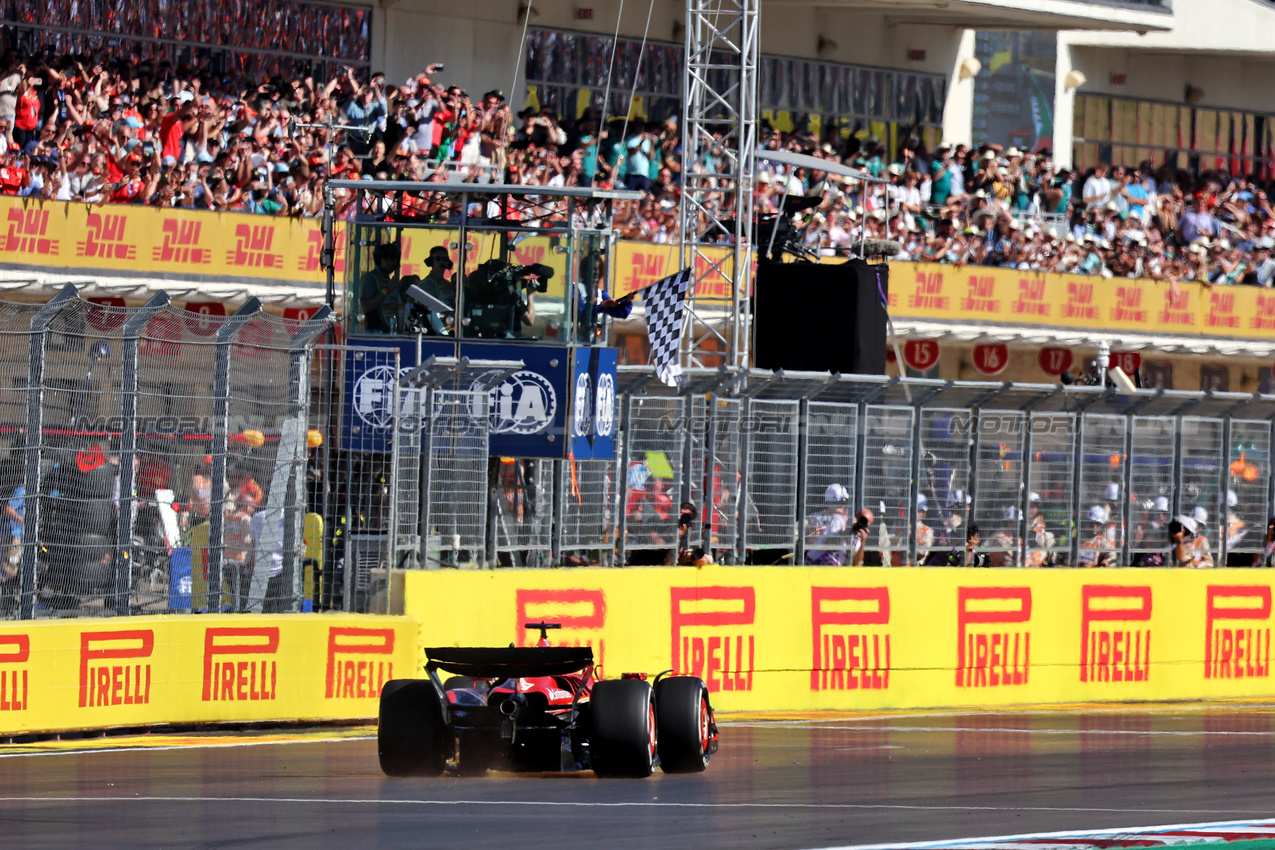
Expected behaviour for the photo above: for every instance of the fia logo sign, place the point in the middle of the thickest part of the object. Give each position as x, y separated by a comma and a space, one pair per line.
524, 404
374, 397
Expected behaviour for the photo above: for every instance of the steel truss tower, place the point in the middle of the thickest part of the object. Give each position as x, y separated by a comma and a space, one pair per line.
719, 125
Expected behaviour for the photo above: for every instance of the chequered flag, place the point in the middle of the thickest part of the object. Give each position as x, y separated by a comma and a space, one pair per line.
663, 300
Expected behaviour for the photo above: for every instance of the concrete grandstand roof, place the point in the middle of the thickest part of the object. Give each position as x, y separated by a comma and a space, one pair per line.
1003, 14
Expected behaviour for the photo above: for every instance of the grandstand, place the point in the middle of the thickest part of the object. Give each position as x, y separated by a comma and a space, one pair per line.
1057, 190
196, 115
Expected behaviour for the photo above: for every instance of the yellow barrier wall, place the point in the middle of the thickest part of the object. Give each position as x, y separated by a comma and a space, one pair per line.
81, 674
771, 639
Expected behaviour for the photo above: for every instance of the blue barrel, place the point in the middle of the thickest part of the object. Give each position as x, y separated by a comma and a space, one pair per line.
179, 580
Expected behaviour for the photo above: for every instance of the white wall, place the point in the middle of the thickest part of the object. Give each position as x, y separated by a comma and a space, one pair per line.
1216, 26
1230, 82
861, 39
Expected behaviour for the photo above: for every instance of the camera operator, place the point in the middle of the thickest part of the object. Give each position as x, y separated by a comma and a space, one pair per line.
688, 556
971, 557
436, 284
380, 291
829, 526
859, 536
1267, 556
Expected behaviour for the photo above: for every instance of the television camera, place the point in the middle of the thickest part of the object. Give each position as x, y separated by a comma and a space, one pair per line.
498, 295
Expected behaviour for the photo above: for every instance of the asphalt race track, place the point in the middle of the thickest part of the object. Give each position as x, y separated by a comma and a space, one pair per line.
775, 784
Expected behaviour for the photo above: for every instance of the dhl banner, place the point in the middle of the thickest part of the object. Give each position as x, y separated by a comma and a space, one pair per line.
148, 240
60, 235
780, 639
980, 294
84, 674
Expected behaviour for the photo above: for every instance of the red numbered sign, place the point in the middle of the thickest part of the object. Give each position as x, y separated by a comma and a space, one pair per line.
1055, 361
204, 318
921, 354
991, 358
1129, 361
161, 337
106, 314
294, 317
299, 314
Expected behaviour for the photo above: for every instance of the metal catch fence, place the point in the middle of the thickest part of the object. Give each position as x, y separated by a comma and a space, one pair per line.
156, 459
1050, 476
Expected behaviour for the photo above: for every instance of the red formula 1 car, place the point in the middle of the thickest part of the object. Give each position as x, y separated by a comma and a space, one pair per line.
541, 709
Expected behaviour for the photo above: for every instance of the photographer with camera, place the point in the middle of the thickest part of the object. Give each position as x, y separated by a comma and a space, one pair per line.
829, 527
381, 291
1184, 532
688, 556
367, 108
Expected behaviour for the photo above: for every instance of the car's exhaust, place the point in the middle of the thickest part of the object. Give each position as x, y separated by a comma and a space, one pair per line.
508, 707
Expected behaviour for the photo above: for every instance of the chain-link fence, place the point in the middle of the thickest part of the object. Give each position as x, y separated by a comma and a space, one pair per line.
1049, 476
770, 481
455, 515
774, 468
155, 460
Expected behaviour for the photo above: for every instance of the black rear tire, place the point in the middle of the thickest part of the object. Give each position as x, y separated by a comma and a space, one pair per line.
681, 720
412, 734
623, 743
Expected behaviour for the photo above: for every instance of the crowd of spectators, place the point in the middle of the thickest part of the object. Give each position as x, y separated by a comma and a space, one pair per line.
994, 206
102, 129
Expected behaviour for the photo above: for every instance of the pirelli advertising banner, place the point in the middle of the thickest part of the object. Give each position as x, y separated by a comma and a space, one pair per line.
779, 639
82, 674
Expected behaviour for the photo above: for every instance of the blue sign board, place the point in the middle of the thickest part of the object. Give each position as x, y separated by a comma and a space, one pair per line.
367, 418
528, 411
593, 404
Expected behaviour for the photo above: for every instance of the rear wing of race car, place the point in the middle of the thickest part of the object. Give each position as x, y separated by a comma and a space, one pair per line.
524, 662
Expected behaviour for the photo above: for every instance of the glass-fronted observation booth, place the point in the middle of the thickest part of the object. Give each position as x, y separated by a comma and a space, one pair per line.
513, 277
495, 262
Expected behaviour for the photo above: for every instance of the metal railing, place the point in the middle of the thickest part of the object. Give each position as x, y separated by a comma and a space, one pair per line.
161, 460
1052, 476
156, 458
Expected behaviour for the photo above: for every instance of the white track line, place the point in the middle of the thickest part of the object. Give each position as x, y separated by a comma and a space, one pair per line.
637, 804
999, 730
211, 744
1075, 833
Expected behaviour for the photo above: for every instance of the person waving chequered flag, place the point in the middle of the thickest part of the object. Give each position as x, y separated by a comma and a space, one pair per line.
663, 300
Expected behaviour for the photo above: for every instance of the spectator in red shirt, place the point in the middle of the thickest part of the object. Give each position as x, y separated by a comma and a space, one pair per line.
132, 188
174, 127
27, 120
13, 175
